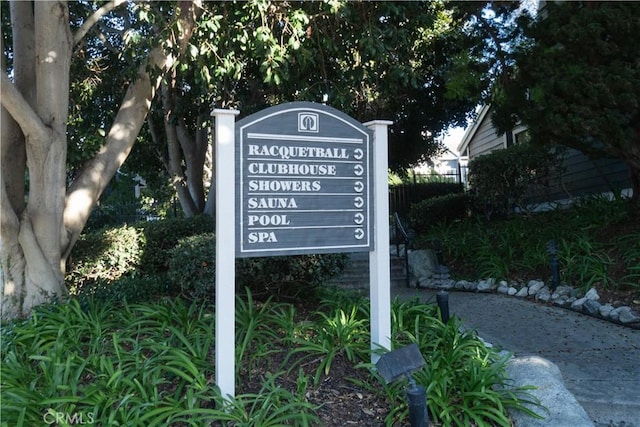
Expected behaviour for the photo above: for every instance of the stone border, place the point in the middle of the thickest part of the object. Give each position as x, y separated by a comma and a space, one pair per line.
428, 274
563, 296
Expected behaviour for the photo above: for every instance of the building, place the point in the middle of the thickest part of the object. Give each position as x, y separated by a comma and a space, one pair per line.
581, 175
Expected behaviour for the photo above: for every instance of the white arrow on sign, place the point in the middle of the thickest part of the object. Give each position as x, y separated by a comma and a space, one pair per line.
358, 218
358, 202
358, 233
358, 170
358, 186
358, 153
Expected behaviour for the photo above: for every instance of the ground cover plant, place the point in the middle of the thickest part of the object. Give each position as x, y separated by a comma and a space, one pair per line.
597, 241
151, 363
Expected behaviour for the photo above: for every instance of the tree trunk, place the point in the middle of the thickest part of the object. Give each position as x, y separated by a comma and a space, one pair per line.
187, 154
32, 239
37, 235
87, 188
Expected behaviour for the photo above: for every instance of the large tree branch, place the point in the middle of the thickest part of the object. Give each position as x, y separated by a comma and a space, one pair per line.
13, 101
93, 19
85, 190
178, 179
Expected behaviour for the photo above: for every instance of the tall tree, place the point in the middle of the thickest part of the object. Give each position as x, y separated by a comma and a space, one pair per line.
42, 213
577, 81
396, 60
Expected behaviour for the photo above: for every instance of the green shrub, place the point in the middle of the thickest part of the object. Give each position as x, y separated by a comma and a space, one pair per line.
135, 365
177, 256
103, 256
127, 289
442, 209
161, 236
287, 276
150, 365
597, 242
191, 265
192, 269
511, 178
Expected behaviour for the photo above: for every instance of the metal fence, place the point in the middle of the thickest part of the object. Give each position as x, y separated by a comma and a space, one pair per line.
422, 187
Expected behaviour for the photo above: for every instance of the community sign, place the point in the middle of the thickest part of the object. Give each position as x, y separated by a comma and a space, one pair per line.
304, 182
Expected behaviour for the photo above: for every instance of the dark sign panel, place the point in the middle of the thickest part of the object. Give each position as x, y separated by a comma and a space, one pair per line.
303, 182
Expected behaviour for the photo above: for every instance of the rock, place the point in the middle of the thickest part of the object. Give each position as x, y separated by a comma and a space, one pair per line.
561, 291
605, 310
577, 304
460, 284
592, 294
559, 406
614, 314
484, 285
445, 284
470, 286
503, 288
422, 263
535, 286
523, 292
543, 295
627, 316
512, 291
590, 306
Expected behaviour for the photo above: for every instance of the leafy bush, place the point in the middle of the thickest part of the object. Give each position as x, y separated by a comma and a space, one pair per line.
134, 289
161, 236
287, 276
150, 364
191, 264
511, 178
136, 365
597, 238
466, 381
192, 269
441, 209
104, 256
177, 256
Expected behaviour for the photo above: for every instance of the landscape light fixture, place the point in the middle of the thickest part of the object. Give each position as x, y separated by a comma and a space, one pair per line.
552, 249
442, 298
401, 363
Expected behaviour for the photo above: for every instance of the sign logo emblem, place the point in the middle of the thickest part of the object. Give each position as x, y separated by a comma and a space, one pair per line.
308, 122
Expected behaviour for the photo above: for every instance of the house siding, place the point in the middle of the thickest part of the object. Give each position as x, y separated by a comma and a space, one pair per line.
485, 139
582, 175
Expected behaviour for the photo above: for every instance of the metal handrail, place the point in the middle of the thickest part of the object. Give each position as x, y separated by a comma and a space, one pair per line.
407, 238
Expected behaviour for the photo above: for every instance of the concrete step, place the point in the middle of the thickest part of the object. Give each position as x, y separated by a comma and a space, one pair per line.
356, 273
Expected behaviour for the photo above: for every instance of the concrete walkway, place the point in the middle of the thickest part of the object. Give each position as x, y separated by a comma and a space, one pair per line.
599, 361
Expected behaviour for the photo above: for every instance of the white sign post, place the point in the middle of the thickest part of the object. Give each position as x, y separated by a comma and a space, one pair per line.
225, 251
379, 265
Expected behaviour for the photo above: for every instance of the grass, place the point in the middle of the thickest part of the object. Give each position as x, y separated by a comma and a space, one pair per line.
152, 364
597, 242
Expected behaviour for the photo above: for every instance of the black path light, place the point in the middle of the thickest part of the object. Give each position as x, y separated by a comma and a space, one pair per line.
442, 298
552, 249
401, 363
